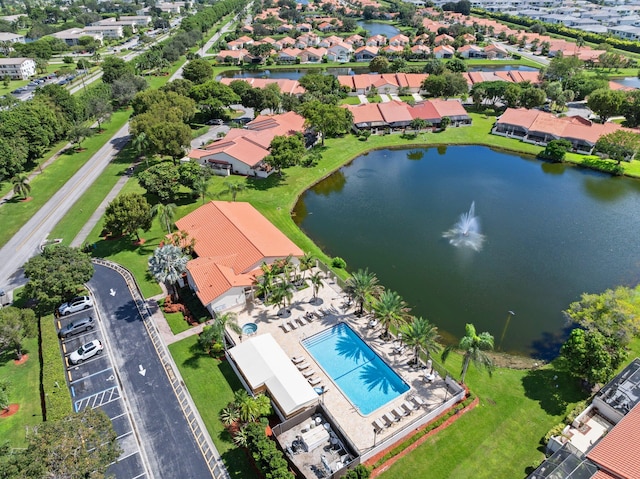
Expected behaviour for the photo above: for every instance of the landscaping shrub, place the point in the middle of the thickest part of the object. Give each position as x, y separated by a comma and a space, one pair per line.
554, 431
339, 263
54, 384
268, 458
359, 472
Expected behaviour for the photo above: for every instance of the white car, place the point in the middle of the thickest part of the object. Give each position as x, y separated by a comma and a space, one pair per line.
86, 351
76, 304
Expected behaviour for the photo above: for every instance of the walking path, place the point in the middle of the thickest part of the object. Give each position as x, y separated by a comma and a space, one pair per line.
417, 97
384, 98
363, 99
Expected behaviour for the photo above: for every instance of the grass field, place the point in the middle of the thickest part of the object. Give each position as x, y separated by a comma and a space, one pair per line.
24, 389
211, 383
176, 320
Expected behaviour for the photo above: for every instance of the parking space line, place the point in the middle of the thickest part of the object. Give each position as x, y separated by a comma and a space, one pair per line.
124, 457
143, 474
124, 435
84, 402
89, 376
119, 416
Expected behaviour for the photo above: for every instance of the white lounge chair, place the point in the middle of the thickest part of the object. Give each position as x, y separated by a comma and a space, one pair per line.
297, 359
314, 381
379, 424
390, 418
304, 365
308, 372
285, 326
292, 323
399, 412
418, 401
409, 407
301, 320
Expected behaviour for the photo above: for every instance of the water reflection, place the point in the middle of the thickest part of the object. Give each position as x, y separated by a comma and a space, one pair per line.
415, 155
606, 190
332, 184
553, 168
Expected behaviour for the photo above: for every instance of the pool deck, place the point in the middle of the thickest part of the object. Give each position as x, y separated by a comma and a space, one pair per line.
359, 428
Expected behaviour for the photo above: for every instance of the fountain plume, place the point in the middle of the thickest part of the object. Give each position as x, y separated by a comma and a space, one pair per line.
466, 232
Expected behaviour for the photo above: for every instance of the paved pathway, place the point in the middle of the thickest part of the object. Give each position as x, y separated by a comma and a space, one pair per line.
384, 98
417, 97
363, 98
395, 97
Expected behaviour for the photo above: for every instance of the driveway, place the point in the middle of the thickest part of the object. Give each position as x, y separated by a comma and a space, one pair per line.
152, 385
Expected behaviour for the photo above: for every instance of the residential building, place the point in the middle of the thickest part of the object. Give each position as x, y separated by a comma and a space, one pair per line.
539, 127
232, 241
366, 53
107, 31
291, 87
71, 36
11, 37
339, 52
17, 68
383, 82
443, 51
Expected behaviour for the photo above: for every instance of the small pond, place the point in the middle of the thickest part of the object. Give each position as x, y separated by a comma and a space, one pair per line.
551, 232
378, 28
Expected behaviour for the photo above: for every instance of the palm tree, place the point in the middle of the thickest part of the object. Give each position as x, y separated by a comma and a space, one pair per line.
473, 346
307, 261
248, 407
282, 294
316, 283
232, 188
264, 282
141, 145
229, 320
363, 286
390, 310
165, 214
168, 264
420, 334
201, 186
21, 186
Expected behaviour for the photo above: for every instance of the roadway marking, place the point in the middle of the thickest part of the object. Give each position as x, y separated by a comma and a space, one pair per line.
142, 370
112, 394
89, 376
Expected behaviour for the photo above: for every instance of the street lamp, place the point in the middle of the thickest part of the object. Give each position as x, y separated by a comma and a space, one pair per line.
375, 436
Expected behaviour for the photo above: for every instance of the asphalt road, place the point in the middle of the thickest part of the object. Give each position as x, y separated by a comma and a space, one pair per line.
26, 242
165, 436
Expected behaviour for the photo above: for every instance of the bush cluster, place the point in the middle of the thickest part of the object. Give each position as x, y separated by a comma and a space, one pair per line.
268, 458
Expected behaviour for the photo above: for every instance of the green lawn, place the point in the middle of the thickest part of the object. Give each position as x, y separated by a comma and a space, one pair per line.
211, 383
24, 389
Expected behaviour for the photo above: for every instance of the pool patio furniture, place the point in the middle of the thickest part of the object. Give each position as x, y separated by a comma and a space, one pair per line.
297, 359
308, 373
314, 381
429, 377
373, 323
379, 425
302, 366
292, 323
390, 417
418, 401
285, 326
409, 407
301, 321
399, 412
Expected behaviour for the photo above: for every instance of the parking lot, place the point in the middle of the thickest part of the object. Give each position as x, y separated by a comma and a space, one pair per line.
94, 383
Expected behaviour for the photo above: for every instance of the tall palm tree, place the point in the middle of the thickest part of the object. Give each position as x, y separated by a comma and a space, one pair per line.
282, 294
201, 186
363, 286
165, 213
420, 334
473, 346
21, 186
390, 310
316, 283
232, 188
264, 282
167, 265
307, 261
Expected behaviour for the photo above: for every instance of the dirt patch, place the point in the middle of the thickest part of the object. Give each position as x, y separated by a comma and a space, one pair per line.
13, 408
22, 360
139, 242
511, 361
26, 200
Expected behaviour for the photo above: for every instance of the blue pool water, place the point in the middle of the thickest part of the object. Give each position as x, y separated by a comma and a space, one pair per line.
367, 381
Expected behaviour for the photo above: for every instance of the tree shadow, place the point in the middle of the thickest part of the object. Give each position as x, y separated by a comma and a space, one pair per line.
263, 184
552, 389
9, 354
193, 362
547, 347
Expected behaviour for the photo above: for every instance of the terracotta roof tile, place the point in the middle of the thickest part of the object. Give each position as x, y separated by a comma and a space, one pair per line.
619, 451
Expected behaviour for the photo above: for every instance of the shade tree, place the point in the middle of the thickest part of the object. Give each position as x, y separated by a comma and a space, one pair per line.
606, 103
15, 326
328, 120
621, 145
127, 214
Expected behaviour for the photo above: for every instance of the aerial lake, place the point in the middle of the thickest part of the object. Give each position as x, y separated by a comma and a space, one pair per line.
550, 233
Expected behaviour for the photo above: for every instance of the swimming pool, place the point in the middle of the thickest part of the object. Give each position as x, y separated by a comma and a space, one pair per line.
367, 381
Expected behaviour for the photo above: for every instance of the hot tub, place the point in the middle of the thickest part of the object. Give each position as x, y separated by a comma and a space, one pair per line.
249, 329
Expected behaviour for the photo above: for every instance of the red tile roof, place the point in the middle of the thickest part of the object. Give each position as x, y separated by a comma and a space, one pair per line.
619, 451
232, 240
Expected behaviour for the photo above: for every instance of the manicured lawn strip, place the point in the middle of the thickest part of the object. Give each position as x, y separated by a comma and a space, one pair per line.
24, 380
350, 100
212, 383
14, 214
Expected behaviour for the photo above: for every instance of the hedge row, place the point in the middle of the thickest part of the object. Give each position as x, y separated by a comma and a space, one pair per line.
559, 29
268, 458
57, 402
435, 424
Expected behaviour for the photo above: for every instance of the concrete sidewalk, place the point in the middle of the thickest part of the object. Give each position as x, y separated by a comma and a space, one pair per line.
163, 326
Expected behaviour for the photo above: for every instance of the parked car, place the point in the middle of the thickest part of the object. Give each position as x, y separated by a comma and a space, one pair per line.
215, 121
76, 304
86, 351
77, 326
